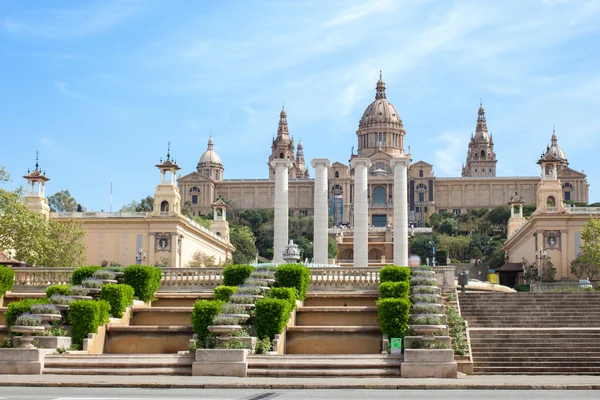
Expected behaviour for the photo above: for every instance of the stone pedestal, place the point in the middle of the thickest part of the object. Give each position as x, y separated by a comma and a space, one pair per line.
220, 362
428, 363
280, 227
400, 166
22, 361
361, 211
321, 216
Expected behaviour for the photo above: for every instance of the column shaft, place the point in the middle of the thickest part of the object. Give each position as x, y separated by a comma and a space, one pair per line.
280, 227
321, 217
400, 211
361, 212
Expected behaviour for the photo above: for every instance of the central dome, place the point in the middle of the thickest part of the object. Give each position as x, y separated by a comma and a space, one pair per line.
380, 112
210, 158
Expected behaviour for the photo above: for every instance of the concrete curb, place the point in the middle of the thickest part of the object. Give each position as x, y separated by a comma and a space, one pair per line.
257, 385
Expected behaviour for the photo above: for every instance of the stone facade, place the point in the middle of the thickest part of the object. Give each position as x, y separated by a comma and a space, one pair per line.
380, 138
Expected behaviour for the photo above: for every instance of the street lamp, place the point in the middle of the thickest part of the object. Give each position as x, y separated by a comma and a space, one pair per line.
540, 257
432, 252
140, 256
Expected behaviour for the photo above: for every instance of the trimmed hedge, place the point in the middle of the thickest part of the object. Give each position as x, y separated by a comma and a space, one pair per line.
295, 276
223, 293
392, 316
144, 280
82, 273
85, 317
21, 307
203, 314
7, 279
118, 296
523, 287
271, 316
284, 293
235, 275
393, 290
65, 290
393, 273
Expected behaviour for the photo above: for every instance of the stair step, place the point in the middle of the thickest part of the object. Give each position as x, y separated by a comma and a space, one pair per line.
355, 373
118, 371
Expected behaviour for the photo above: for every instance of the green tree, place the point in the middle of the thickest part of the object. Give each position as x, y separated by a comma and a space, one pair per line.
529, 209
457, 247
583, 268
243, 239
590, 251
145, 205
448, 226
64, 245
63, 202
4, 176
264, 240
332, 250
421, 245
479, 246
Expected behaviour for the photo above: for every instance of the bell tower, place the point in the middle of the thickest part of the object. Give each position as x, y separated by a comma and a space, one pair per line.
36, 190
167, 201
549, 196
481, 159
282, 146
219, 224
516, 219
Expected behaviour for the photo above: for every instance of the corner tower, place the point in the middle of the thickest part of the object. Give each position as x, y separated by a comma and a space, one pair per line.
481, 159
282, 147
36, 190
167, 200
380, 127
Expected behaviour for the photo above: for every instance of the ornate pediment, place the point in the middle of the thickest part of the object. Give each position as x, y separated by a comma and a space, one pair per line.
193, 177
567, 172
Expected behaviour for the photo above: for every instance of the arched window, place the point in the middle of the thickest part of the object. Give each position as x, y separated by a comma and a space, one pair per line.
195, 189
337, 174
164, 206
550, 202
482, 153
567, 187
379, 195
280, 155
420, 173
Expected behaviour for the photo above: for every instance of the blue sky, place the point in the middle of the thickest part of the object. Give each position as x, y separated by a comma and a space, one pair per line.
100, 87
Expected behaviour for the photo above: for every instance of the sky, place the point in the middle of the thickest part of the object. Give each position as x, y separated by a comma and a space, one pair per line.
100, 87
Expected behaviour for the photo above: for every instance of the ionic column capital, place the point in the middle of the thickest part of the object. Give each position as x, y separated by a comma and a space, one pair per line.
317, 162
400, 161
281, 162
360, 161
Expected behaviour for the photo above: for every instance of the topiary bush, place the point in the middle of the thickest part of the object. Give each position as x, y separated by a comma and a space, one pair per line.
392, 316
203, 314
82, 273
284, 293
7, 279
271, 317
235, 275
144, 280
523, 287
223, 293
293, 276
86, 316
20, 307
393, 290
118, 296
28, 320
393, 273
65, 290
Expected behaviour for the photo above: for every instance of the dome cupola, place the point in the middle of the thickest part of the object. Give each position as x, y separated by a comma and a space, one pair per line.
210, 163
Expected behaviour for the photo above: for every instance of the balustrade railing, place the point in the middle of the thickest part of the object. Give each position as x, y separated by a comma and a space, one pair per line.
32, 279
186, 277
331, 277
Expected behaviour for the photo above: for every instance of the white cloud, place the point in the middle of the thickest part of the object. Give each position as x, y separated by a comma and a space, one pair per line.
353, 13
62, 87
448, 159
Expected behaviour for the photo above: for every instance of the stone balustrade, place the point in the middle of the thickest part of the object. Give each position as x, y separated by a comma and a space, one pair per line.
322, 277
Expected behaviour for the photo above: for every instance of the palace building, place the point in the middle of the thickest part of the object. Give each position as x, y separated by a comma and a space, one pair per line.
380, 136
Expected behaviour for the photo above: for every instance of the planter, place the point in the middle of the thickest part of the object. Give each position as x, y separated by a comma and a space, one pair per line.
47, 318
224, 331
94, 291
248, 306
27, 331
109, 281
258, 296
53, 342
242, 317
429, 330
61, 307
82, 297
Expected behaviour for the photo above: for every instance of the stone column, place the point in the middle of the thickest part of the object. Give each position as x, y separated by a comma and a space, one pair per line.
400, 166
321, 217
280, 227
361, 211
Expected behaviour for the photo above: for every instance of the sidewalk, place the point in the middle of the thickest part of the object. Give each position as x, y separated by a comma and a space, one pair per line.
506, 382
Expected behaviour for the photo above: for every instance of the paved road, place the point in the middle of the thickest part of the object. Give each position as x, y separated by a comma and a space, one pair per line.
21, 393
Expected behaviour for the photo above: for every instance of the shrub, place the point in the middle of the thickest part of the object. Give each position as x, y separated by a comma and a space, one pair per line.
424, 290
392, 316
235, 275
118, 296
284, 293
28, 320
230, 308
79, 290
241, 299
7, 279
264, 345
92, 283
223, 293
393, 273
271, 316
86, 316
20, 307
523, 287
61, 299
44, 309
248, 289
65, 290
82, 273
393, 290
422, 308
103, 274
144, 280
426, 298
418, 281
225, 320
422, 268
261, 274
203, 314
426, 320
293, 276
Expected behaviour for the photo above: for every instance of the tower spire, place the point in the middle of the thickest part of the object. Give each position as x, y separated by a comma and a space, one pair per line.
380, 88
283, 125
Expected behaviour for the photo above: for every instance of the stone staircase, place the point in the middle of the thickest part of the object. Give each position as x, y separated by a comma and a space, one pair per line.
534, 333
112, 364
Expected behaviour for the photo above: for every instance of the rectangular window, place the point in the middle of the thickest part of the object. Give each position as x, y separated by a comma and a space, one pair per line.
304, 212
442, 211
421, 197
379, 220
194, 199
567, 195
418, 209
456, 211
425, 210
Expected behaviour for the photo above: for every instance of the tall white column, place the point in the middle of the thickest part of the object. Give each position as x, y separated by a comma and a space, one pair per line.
321, 217
400, 166
361, 211
280, 227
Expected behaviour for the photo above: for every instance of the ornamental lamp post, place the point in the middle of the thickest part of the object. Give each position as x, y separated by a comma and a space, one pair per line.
140, 256
540, 256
